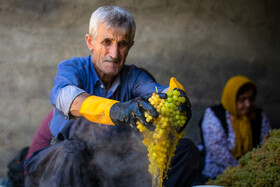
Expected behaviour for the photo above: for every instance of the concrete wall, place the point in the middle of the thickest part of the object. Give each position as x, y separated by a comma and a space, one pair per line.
202, 43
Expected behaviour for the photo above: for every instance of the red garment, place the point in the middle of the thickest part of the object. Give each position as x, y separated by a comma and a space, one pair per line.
42, 135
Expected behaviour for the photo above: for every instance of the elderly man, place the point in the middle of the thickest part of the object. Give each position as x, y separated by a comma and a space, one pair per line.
97, 101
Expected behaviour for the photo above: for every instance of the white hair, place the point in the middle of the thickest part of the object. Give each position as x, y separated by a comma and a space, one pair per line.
112, 17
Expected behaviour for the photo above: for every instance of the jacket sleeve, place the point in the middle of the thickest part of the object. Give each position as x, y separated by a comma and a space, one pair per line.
67, 85
144, 84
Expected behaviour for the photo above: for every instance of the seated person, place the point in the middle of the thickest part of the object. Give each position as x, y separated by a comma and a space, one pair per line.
232, 128
97, 101
42, 135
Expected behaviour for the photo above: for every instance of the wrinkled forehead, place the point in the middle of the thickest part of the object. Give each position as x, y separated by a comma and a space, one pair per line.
114, 30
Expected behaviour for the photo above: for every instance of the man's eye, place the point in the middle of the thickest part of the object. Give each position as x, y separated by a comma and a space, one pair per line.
123, 44
106, 42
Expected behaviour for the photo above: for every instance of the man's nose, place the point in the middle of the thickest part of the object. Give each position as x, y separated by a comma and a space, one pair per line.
114, 51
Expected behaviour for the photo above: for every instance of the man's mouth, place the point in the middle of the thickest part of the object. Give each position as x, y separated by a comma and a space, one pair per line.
112, 60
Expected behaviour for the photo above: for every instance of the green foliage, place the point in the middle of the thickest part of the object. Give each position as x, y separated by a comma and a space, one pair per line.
259, 167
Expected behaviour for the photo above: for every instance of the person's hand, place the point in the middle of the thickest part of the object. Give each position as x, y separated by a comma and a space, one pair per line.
128, 113
184, 107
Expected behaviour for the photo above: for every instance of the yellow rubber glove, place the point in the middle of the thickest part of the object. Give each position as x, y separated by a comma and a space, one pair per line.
97, 109
173, 83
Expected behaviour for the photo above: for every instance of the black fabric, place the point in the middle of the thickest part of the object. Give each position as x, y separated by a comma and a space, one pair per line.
70, 163
184, 165
66, 166
16, 168
114, 151
220, 112
256, 125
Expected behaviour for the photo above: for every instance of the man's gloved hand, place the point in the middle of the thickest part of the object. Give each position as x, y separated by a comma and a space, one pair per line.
111, 112
127, 113
183, 107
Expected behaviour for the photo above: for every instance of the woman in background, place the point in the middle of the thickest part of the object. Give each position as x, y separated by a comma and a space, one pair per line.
232, 128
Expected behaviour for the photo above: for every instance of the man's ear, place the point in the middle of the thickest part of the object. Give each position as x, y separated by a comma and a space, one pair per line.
89, 42
131, 44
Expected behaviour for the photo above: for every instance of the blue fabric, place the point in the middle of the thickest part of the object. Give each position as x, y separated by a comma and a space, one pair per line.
79, 72
66, 97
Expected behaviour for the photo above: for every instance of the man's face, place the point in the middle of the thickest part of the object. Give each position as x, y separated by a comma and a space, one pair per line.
245, 103
109, 50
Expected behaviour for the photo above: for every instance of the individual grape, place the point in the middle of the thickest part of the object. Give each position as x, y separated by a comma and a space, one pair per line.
162, 142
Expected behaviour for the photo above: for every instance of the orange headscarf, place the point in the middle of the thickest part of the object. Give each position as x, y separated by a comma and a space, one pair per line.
241, 124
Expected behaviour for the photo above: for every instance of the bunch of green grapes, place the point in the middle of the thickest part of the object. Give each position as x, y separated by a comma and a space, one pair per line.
260, 167
162, 142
